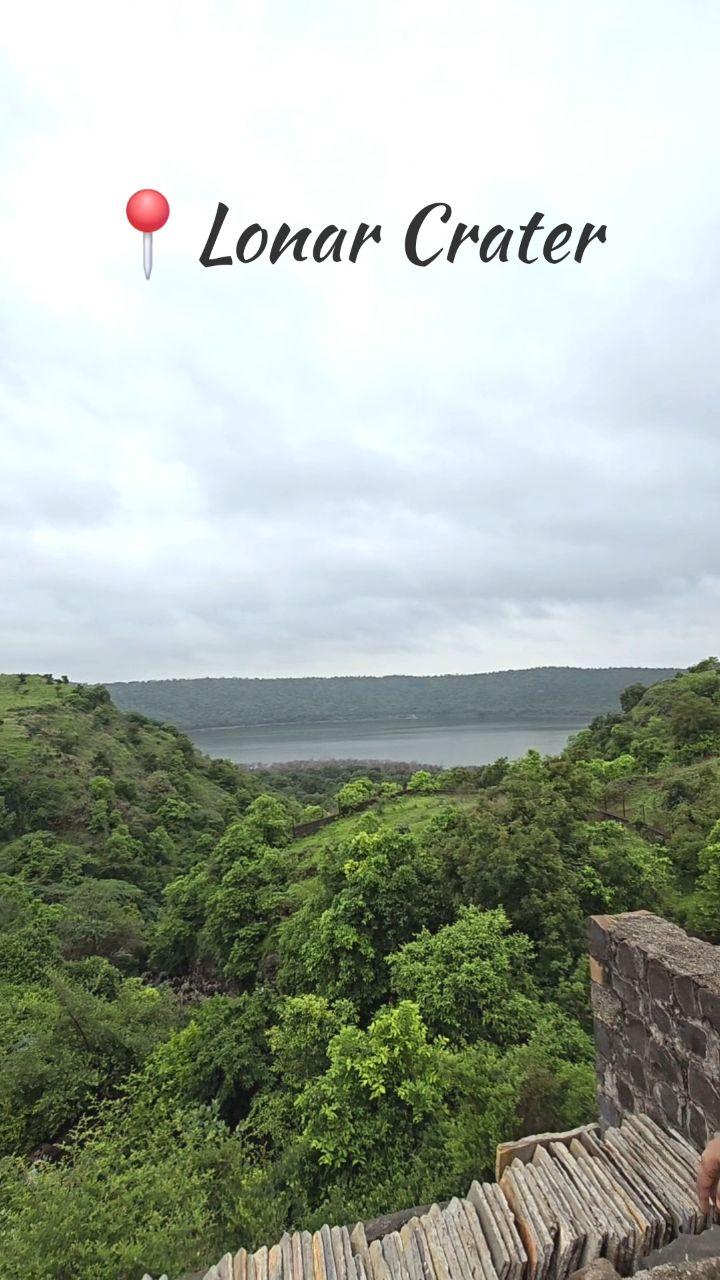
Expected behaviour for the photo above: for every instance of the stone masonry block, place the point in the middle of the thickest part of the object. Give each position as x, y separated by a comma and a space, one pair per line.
659, 982
626, 1098
705, 1095
629, 961
671, 1102
637, 1073
665, 1065
696, 1126
693, 1038
686, 994
712, 1055
709, 1002
656, 1005
600, 937
603, 1040
629, 993
609, 1113
606, 1005
660, 1018
638, 1035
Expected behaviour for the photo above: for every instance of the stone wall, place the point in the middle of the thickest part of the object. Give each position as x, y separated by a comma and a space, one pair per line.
656, 1005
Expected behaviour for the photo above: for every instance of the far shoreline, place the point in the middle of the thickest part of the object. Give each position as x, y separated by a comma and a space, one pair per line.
548, 720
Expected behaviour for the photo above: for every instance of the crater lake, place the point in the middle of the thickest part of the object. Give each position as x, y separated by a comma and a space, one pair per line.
426, 741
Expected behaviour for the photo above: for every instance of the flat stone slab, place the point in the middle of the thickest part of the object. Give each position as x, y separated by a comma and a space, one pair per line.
524, 1148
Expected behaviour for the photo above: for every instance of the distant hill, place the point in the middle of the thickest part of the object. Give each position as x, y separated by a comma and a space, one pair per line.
571, 694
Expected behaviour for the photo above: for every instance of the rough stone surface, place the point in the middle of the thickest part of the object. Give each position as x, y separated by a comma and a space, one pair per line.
684, 1249
705, 1268
379, 1227
708, 1269
598, 1269
657, 1023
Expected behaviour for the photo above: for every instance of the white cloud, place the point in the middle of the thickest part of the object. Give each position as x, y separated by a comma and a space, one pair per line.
307, 468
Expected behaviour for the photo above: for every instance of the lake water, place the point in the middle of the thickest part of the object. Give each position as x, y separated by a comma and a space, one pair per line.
424, 741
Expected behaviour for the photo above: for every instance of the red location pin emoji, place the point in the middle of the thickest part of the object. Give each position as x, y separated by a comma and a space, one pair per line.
147, 211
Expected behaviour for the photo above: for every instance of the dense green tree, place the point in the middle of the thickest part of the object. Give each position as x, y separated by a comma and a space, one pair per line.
545, 1085
372, 897
704, 910
65, 1048
470, 980
174, 946
630, 697
622, 766
151, 1188
220, 1056
300, 1038
45, 859
379, 1089
103, 918
423, 781
268, 818
360, 1015
523, 862
29, 946
355, 794
239, 912
313, 812
621, 871
102, 804
695, 724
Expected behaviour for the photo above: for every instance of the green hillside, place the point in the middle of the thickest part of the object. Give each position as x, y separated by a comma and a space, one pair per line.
212, 1030
571, 694
662, 772
125, 797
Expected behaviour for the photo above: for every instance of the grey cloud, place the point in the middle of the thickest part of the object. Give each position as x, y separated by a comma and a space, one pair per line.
277, 471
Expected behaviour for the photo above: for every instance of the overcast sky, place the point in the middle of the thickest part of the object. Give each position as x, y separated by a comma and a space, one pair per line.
319, 469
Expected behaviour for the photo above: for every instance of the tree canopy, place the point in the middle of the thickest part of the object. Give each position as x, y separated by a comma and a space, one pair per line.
213, 1029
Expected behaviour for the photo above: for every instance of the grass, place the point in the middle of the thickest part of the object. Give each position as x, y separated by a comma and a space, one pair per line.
19, 695
56, 745
413, 812
645, 798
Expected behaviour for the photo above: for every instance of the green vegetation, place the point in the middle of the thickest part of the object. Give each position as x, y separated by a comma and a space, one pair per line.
212, 1030
573, 694
315, 784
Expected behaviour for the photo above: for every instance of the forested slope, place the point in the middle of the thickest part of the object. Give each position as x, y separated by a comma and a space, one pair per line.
214, 1031
571, 694
117, 792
